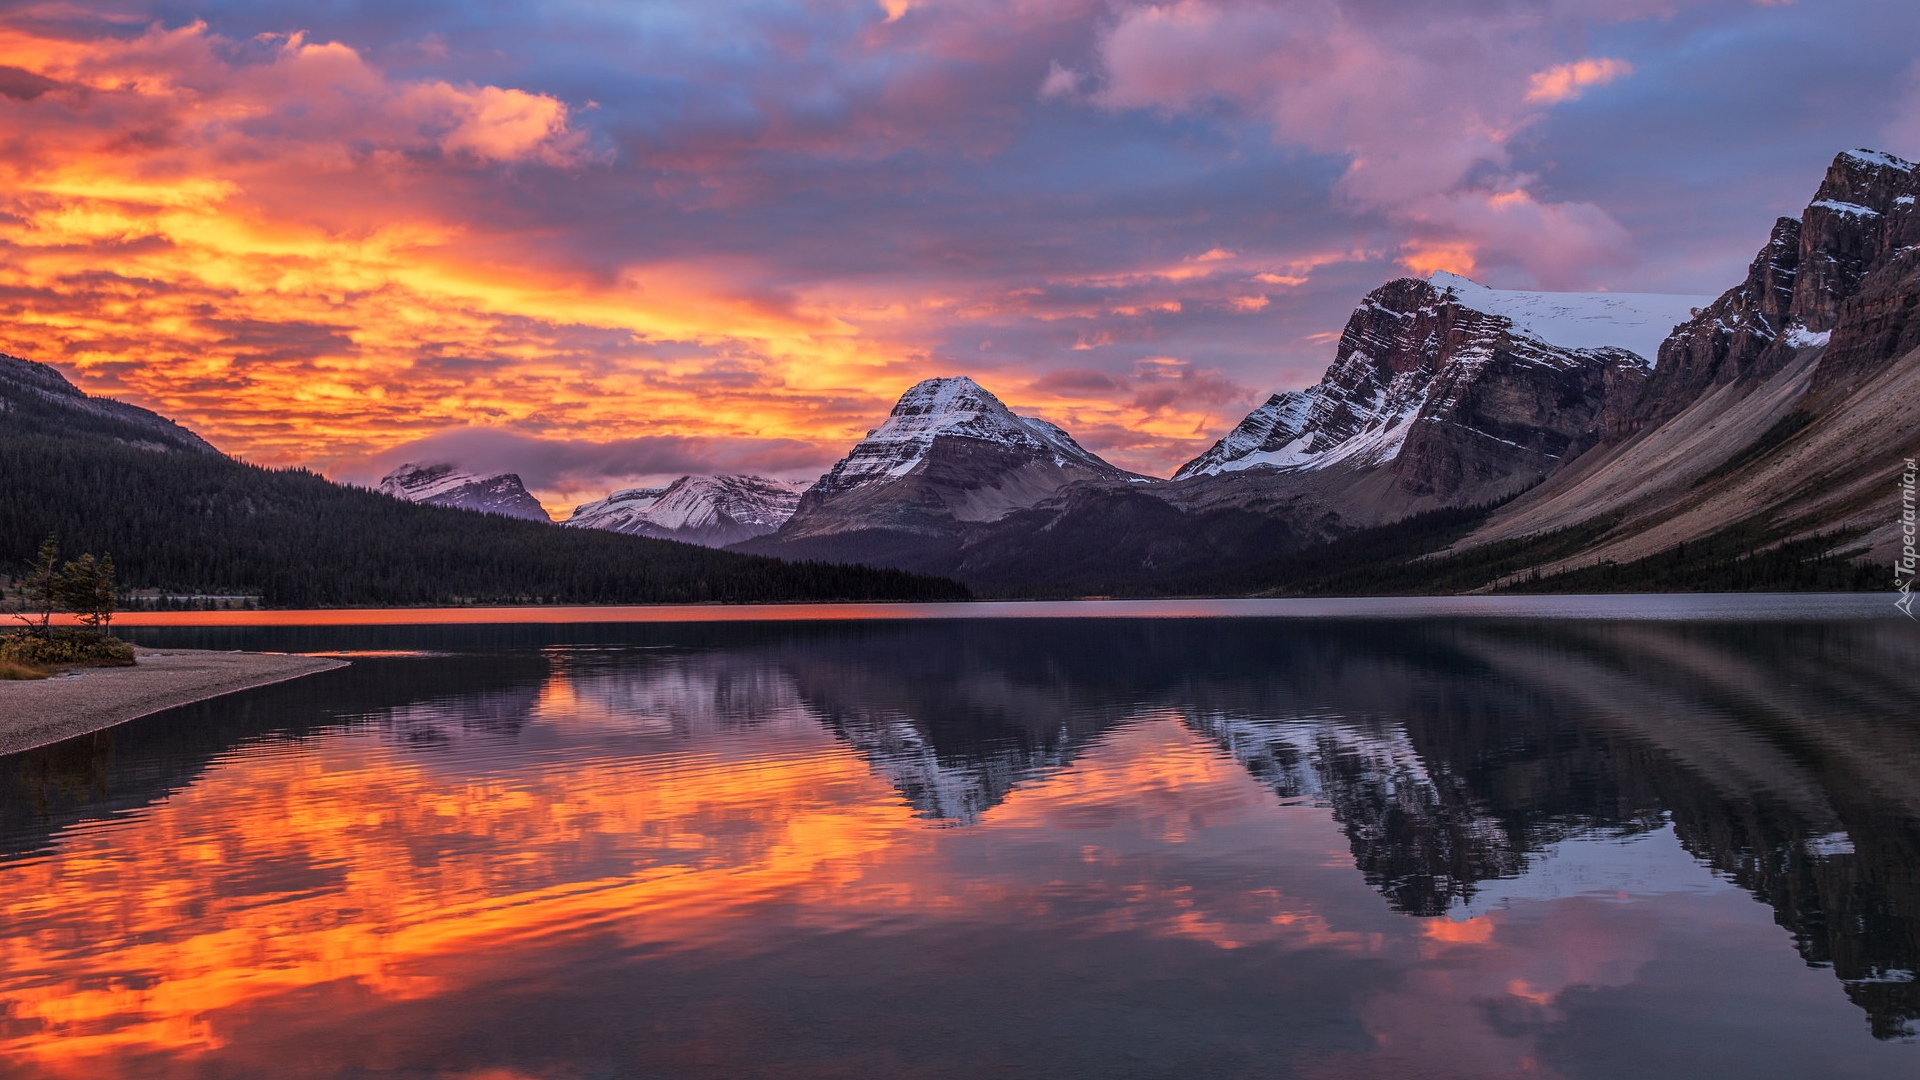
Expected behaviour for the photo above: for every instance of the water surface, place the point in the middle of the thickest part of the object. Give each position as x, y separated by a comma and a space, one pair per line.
1438, 847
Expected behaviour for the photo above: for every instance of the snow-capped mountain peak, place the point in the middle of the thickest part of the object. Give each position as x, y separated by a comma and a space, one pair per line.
710, 510
447, 485
958, 408
1416, 358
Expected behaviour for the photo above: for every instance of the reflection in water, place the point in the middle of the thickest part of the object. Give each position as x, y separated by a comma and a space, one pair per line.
1115, 848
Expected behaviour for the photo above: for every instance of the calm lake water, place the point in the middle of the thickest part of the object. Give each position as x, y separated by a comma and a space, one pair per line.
1196, 847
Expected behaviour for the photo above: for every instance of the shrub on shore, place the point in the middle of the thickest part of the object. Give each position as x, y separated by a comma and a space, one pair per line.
11, 671
64, 646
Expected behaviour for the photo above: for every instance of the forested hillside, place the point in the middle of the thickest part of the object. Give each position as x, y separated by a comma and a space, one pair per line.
202, 523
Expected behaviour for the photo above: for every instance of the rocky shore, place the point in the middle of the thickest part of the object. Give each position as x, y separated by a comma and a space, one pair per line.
88, 699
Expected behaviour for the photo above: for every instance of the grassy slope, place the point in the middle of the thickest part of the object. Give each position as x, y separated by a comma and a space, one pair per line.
1392, 560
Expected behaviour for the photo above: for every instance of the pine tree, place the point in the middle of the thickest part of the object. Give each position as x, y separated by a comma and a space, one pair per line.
39, 590
85, 587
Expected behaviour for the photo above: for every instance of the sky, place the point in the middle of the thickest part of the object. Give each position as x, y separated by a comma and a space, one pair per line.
600, 243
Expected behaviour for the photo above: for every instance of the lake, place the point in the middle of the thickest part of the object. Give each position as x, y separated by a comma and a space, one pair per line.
1368, 842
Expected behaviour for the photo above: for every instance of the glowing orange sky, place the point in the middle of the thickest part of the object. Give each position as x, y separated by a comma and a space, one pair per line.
729, 242
260, 247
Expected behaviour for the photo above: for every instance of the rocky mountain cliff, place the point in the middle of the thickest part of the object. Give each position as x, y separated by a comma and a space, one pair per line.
36, 399
949, 457
1782, 411
445, 485
713, 511
1433, 402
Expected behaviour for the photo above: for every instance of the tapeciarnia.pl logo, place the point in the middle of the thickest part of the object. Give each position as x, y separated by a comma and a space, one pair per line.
1903, 567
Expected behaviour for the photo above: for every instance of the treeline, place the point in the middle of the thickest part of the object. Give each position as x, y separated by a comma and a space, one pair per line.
1733, 560
185, 523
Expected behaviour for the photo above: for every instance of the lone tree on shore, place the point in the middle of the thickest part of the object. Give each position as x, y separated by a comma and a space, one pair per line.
83, 586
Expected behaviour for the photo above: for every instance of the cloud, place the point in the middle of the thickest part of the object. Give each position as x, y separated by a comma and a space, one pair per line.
1075, 381
1424, 112
1061, 82
319, 102
22, 85
586, 469
496, 124
1566, 82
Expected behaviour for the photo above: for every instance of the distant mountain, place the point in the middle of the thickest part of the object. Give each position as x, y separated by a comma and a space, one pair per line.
712, 511
445, 485
179, 517
1442, 394
949, 457
36, 399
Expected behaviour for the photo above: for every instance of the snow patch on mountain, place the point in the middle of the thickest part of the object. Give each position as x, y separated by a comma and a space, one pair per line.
1801, 338
1875, 157
1840, 207
1636, 322
618, 508
712, 510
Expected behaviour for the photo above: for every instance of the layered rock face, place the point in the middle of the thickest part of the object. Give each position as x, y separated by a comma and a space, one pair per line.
1785, 406
949, 456
37, 400
1861, 224
1434, 403
712, 511
444, 485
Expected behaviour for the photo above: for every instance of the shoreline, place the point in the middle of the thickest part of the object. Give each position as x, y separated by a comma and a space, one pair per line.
81, 701
1654, 606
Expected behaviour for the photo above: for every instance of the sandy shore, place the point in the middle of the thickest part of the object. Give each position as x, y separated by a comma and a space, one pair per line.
88, 699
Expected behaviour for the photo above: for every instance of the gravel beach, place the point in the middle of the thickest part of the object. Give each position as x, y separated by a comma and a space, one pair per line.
88, 699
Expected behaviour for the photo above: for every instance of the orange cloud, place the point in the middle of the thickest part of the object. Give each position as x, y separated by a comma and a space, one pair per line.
1424, 258
497, 124
1566, 82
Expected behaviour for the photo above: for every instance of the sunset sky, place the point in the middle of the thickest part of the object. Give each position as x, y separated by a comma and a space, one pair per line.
601, 242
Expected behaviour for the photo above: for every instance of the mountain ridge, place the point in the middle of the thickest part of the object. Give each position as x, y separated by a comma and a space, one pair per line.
35, 397
443, 484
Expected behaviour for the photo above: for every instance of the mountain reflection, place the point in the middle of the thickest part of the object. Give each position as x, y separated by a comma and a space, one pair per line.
667, 781
1785, 757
